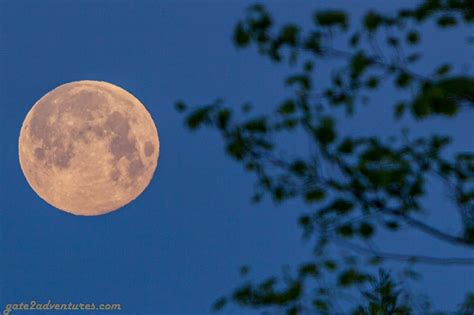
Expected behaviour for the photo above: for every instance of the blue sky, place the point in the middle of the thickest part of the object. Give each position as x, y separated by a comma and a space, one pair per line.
179, 246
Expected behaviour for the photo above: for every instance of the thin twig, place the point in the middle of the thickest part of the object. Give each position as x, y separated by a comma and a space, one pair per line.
408, 258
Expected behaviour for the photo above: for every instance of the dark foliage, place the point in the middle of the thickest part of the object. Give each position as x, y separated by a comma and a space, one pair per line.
353, 186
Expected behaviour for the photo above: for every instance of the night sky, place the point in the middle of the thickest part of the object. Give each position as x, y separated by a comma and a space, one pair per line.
180, 245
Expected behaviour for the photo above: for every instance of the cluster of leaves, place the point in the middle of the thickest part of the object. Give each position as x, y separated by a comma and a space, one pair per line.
353, 186
467, 307
384, 297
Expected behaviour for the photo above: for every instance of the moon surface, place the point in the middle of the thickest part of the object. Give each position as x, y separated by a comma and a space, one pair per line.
88, 147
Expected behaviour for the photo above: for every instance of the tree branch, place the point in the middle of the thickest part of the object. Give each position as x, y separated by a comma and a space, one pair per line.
407, 258
431, 230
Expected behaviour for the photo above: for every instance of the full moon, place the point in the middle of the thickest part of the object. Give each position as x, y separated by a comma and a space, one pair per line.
88, 147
